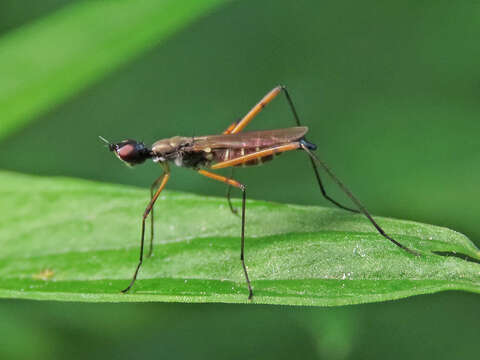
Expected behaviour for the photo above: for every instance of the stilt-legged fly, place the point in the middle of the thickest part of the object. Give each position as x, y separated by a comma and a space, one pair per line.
230, 149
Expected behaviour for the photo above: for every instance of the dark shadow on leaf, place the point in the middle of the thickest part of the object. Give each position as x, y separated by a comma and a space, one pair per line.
457, 255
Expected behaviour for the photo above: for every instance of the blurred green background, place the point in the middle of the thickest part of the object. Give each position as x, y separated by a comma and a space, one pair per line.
390, 91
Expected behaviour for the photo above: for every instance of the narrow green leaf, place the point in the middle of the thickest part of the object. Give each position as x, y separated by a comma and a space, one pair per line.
46, 62
75, 240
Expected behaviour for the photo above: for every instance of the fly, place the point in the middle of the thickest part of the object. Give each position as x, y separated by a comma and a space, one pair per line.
232, 148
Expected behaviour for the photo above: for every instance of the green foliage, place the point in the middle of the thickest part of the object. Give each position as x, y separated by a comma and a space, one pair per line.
49, 60
74, 240
391, 98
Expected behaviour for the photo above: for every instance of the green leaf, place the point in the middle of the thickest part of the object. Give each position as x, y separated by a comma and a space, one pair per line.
46, 62
82, 238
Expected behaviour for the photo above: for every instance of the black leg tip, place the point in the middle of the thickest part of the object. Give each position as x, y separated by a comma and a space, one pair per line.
413, 252
308, 145
407, 249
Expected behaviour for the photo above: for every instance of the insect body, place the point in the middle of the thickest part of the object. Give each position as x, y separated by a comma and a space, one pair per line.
233, 148
227, 150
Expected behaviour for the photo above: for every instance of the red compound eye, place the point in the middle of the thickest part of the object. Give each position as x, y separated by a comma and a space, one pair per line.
132, 152
127, 152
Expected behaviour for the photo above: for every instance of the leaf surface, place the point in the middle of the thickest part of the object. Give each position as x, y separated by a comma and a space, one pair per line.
75, 240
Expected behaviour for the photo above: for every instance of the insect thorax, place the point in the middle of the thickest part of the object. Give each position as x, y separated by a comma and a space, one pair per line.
191, 159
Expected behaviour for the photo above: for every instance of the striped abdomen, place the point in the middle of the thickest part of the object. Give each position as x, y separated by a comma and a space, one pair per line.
219, 151
220, 155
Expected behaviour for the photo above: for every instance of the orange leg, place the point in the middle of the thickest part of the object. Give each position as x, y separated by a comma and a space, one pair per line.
153, 190
229, 200
221, 178
235, 183
256, 155
238, 126
164, 179
231, 127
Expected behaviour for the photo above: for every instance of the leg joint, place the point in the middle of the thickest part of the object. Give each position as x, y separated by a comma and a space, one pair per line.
307, 144
146, 212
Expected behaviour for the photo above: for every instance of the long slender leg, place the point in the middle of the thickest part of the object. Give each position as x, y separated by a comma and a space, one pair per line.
259, 154
242, 242
229, 190
229, 187
314, 166
356, 201
231, 127
164, 180
238, 126
272, 94
324, 193
152, 215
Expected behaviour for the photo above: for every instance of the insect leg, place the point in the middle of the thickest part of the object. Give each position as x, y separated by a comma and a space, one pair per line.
259, 154
152, 216
229, 189
164, 179
356, 201
238, 126
242, 242
315, 169
324, 193
231, 127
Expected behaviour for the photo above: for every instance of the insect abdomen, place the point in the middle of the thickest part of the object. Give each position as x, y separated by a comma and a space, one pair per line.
220, 155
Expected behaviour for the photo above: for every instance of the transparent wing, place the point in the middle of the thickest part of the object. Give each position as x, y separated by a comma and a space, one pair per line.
252, 139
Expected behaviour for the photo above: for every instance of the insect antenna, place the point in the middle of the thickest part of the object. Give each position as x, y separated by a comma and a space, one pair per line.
104, 140
108, 143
